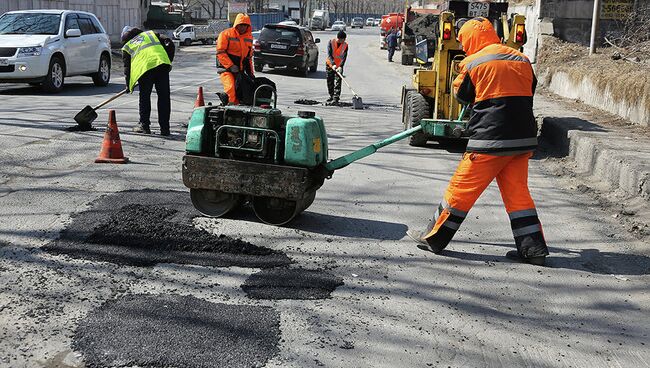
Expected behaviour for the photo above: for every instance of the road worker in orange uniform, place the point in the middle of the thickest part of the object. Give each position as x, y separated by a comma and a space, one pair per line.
337, 54
499, 82
235, 55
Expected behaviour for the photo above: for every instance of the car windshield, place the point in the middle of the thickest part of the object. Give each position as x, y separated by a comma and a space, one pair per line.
178, 30
339, 22
30, 23
284, 35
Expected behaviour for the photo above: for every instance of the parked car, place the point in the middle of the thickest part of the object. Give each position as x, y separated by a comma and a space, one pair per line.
370, 22
286, 46
256, 35
43, 47
376, 22
339, 25
288, 22
356, 22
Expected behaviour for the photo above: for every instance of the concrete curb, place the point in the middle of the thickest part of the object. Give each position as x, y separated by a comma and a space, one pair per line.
613, 158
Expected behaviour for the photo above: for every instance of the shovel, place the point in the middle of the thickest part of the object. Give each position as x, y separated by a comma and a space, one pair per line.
88, 114
357, 102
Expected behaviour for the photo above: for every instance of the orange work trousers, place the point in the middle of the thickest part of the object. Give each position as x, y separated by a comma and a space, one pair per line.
474, 173
228, 81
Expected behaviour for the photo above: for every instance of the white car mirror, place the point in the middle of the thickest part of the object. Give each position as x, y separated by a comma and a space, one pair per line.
73, 33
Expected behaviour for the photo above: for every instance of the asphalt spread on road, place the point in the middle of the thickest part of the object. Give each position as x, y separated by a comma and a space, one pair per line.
177, 331
291, 283
144, 228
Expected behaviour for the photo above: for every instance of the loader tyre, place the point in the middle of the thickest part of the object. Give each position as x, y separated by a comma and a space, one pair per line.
417, 108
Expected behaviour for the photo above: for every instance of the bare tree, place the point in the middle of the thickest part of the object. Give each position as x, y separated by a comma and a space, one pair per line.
214, 8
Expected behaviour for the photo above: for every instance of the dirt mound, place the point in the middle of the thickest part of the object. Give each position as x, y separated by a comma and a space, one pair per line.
152, 227
177, 331
627, 81
291, 283
424, 25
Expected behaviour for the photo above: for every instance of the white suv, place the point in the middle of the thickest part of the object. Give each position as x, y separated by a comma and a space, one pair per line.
45, 46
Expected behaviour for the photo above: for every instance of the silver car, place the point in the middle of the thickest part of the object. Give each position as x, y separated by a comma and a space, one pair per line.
339, 25
46, 46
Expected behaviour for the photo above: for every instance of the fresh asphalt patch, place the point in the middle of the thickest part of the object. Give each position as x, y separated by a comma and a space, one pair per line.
177, 331
291, 283
304, 101
348, 104
147, 227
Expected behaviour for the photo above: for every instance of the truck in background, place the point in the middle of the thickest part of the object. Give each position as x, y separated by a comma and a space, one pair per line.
206, 34
418, 22
163, 16
320, 20
389, 22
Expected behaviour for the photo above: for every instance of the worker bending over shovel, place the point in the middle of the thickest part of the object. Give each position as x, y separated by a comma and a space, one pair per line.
235, 57
147, 58
337, 54
500, 83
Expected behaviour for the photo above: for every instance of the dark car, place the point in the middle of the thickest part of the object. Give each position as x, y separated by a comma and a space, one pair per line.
286, 46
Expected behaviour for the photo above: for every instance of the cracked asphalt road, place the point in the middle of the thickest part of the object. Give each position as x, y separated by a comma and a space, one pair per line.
469, 306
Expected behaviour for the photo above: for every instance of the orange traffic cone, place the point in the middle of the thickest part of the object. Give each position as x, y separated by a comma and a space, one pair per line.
199, 99
111, 151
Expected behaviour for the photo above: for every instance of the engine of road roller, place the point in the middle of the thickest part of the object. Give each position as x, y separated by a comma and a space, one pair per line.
258, 134
256, 155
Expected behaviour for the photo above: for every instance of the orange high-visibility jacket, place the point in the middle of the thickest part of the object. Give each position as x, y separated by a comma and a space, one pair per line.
499, 81
234, 48
336, 54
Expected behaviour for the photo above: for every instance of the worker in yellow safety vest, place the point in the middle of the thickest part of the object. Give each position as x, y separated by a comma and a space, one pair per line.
337, 54
147, 58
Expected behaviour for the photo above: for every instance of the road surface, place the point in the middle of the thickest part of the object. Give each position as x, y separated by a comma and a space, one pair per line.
379, 301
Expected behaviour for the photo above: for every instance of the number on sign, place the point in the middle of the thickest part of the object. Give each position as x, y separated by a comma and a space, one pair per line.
477, 9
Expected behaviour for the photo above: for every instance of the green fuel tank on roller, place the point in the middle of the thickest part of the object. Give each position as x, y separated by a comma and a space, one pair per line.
305, 143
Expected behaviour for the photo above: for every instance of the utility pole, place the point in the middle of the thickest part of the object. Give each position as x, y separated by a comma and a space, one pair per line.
594, 27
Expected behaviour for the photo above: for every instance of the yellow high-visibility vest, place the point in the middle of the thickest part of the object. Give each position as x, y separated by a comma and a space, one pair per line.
146, 53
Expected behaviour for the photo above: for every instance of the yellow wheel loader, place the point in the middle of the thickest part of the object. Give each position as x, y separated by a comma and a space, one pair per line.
430, 99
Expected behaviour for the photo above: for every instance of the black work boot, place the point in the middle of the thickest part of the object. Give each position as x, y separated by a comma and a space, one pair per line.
537, 261
141, 128
423, 244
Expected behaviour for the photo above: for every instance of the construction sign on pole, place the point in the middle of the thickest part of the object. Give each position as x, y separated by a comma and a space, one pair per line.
236, 8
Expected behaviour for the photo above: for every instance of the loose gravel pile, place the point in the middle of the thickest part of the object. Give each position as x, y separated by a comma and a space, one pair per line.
140, 226
425, 25
291, 283
144, 228
177, 331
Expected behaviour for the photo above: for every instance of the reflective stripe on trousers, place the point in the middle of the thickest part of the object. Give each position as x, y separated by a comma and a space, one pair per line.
524, 222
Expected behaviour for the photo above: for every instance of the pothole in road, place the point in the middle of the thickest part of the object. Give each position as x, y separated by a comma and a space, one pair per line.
291, 283
177, 331
144, 228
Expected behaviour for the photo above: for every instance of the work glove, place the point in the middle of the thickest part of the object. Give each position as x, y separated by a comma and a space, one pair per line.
234, 69
339, 70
